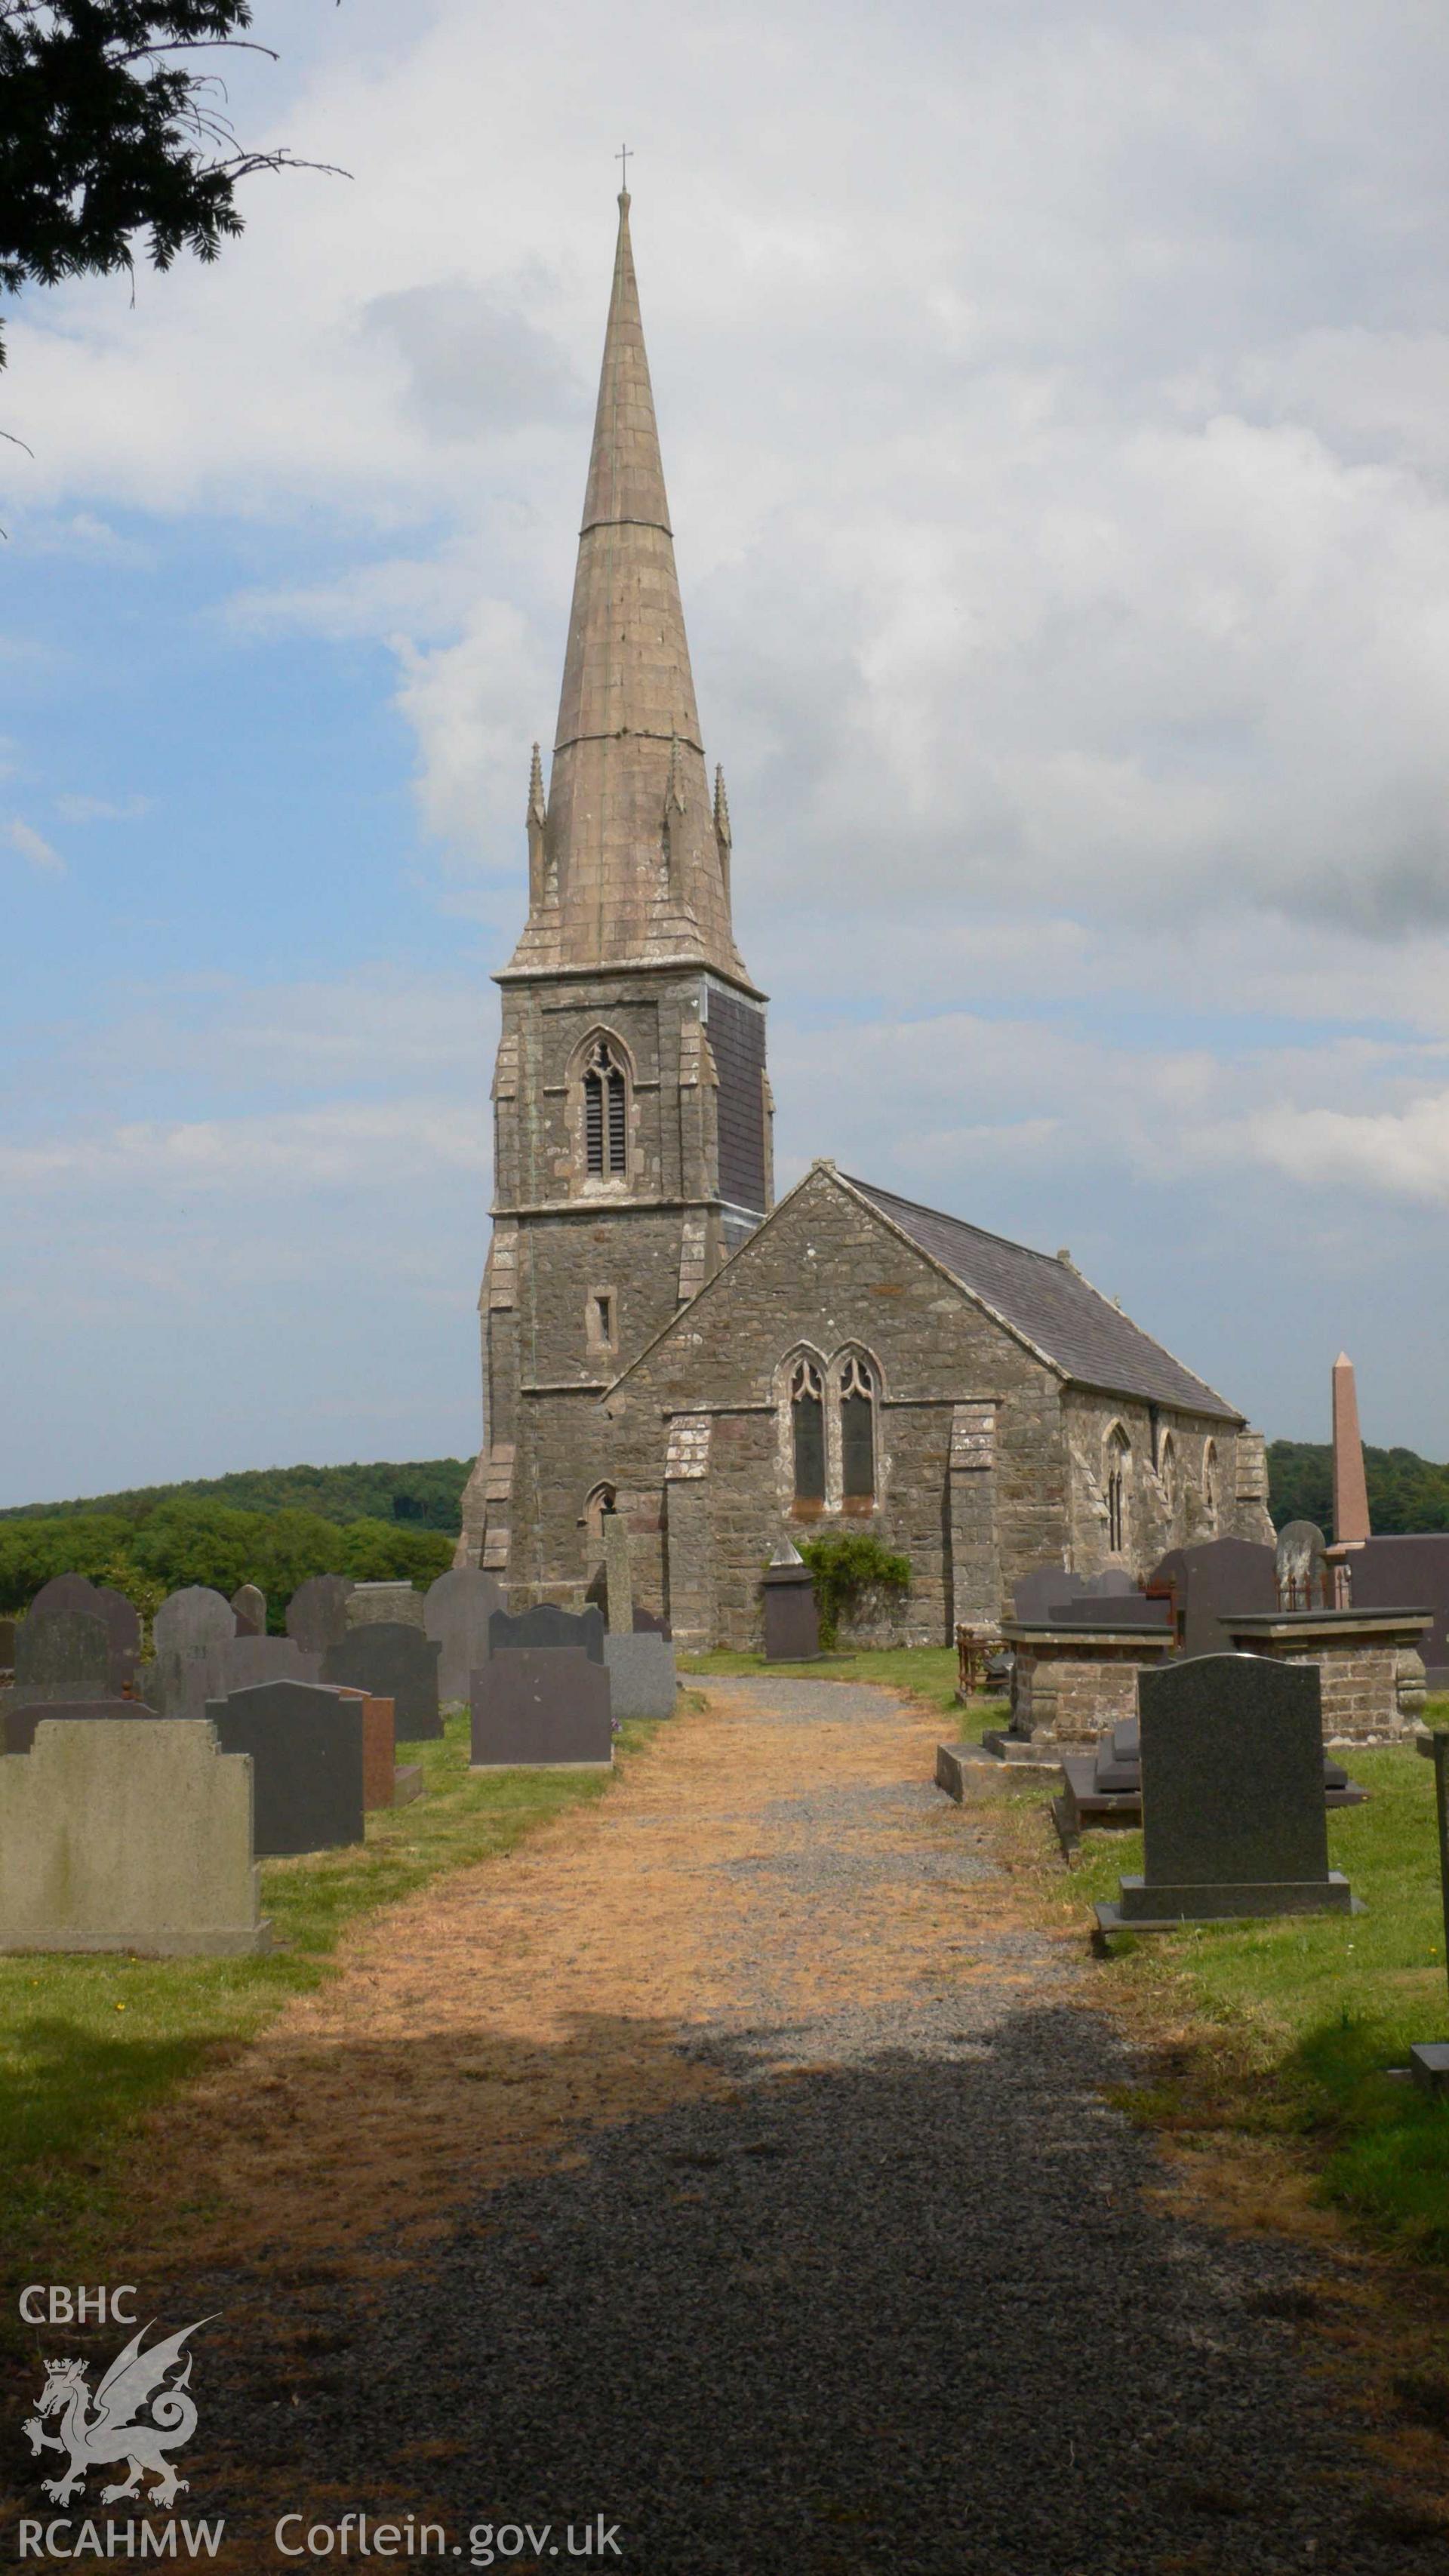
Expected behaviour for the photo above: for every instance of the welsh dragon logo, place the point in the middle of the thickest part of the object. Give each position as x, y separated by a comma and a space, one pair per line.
106, 2426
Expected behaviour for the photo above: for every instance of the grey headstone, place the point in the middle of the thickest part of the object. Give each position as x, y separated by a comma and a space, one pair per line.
1301, 1568
1211, 1583
390, 1661
642, 1674
250, 1604
118, 1616
1232, 1795
307, 1771
369, 1604
618, 1580
248, 1660
456, 1613
190, 1634
61, 1654
540, 1704
792, 1618
547, 1626
317, 1612
20, 1723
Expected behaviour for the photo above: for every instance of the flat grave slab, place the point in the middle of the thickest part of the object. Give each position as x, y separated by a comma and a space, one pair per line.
305, 1744
541, 1707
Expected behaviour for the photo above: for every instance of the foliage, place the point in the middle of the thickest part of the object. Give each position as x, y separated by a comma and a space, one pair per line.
212, 1543
845, 1564
427, 1493
105, 136
1406, 1492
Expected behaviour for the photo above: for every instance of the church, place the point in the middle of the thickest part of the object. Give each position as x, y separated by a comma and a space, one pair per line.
661, 1337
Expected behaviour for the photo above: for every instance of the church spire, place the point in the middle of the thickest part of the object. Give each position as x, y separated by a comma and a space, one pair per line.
628, 745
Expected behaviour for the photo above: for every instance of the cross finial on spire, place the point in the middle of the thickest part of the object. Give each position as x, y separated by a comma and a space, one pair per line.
624, 156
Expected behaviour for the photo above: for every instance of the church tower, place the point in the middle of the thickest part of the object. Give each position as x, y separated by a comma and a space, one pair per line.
631, 1107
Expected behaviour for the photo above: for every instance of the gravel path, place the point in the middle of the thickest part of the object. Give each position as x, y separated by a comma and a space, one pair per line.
892, 2292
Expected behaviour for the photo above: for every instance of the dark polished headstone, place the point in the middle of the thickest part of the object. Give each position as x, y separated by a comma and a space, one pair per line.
7, 1645
20, 1723
651, 1623
1429, 2058
391, 1661
306, 1746
456, 1615
1386, 1572
1112, 1610
540, 1705
61, 1654
1232, 1796
548, 1628
1215, 1580
249, 1659
317, 1612
189, 1634
118, 1616
1033, 1594
792, 1614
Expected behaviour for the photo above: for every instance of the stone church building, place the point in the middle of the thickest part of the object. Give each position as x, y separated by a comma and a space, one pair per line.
659, 1336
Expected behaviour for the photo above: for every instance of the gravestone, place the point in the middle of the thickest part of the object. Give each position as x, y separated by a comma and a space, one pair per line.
1429, 2058
650, 1623
1301, 1568
307, 1767
1104, 1787
618, 1581
1111, 1610
129, 1836
247, 1660
379, 1749
1232, 1797
1034, 1595
390, 1661
369, 1604
792, 1619
1408, 1570
190, 1634
60, 1654
456, 1613
1213, 1582
7, 1645
317, 1612
548, 1627
19, 1724
118, 1616
536, 1706
250, 1605
642, 1676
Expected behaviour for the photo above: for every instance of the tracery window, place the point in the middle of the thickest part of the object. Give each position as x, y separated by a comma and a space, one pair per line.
1119, 1455
606, 1112
807, 1430
857, 1433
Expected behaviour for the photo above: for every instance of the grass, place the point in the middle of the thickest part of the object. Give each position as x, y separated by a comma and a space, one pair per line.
1301, 2017
928, 1672
87, 2045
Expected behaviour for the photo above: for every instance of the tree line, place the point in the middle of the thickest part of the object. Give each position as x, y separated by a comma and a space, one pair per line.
204, 1541
1405, 1492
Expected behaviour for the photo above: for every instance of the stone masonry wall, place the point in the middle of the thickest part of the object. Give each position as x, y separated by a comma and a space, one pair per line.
829, 1274
1073, 1695
1168, 1504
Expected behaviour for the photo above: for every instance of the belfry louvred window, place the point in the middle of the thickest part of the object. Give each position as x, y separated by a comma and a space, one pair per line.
606, 1114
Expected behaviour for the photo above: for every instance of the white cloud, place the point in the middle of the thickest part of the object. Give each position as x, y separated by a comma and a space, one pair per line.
1403, 1153
32, 845
345, 1145
101, 809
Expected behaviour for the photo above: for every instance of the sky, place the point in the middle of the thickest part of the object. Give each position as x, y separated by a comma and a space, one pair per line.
1055, 410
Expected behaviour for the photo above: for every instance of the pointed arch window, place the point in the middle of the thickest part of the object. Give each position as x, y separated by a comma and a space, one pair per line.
1167, 1473
807, 1429
857, 1434
606, 1113
1119, 1460
1210, 1483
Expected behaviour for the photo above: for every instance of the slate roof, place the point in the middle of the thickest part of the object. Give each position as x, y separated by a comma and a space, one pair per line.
1088, 1337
